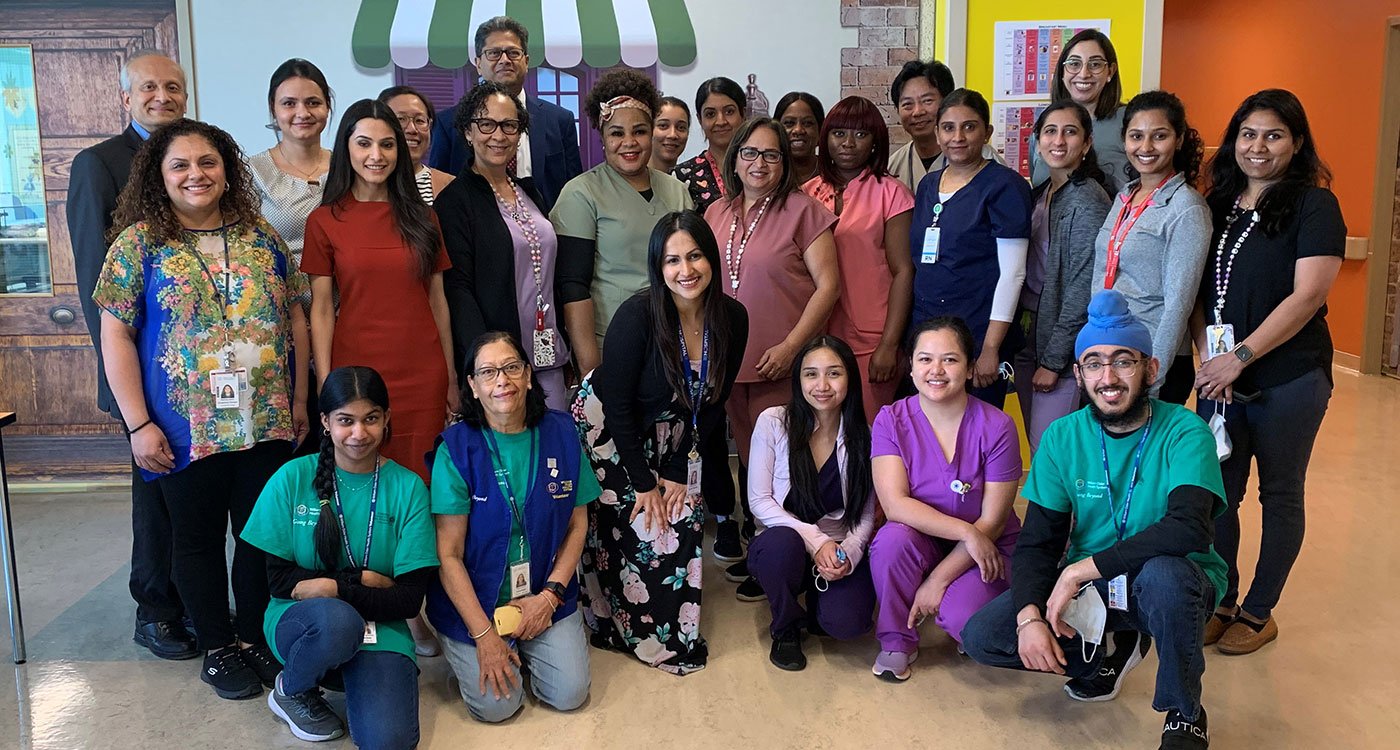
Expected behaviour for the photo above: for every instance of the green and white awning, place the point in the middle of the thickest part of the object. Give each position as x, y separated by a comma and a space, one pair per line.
563, 33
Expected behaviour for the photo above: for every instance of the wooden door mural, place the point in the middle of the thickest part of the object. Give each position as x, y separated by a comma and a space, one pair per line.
47, 366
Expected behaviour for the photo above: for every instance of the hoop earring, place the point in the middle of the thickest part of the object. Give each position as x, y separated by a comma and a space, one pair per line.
325, 432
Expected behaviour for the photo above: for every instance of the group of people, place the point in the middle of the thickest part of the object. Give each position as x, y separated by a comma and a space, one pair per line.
563, 350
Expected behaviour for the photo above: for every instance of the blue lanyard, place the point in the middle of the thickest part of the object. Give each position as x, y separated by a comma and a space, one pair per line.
695, 386
369, 527
1122, 526
503, 476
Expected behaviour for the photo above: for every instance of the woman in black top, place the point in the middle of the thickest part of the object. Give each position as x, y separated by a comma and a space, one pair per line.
1260, 323
502, 245
668, 365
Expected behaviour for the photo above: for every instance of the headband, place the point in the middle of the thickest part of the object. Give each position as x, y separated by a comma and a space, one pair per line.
607, 108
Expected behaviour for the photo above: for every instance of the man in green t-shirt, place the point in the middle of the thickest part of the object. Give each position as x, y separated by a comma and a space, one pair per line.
1123, 492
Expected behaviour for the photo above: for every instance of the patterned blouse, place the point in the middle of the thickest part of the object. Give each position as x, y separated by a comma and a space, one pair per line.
286, 202
702, 178
172, 295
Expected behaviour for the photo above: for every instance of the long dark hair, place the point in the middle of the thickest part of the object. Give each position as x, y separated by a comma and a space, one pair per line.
666, 320
472, 411
1187, 159
1111, 95
1088, 168
733, 187
800, 421
855, 113
413, 217
1279, 202
344, 385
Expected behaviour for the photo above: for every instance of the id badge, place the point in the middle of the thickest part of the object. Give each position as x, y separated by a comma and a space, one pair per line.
227, 393
520, 579
544, 347
1118, 593
1220, 339
930, 251
692, 477
371, 632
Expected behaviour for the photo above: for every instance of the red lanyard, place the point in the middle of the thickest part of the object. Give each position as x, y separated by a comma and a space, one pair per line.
1127, 217
714, 170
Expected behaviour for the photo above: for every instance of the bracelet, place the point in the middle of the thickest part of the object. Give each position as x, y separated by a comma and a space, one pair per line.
140, 427
484, 631
1028, 621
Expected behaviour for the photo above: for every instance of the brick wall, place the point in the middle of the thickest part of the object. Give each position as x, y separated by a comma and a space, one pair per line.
888, 38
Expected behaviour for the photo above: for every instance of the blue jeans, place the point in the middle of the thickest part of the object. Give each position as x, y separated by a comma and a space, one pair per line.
557, 660
381, 687
1169, 599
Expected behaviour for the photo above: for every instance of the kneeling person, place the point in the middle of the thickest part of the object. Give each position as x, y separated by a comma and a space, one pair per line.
1131, 484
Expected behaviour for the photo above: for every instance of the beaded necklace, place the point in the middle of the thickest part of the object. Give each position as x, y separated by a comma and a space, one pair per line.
1222, 280
734, 260
543, 338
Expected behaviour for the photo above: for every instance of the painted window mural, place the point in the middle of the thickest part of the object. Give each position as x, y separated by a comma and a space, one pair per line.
24, 236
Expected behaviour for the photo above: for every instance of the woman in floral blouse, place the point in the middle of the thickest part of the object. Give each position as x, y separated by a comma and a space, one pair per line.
206, 354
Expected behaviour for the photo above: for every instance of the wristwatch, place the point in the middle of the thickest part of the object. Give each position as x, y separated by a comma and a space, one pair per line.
556, 588
1243, 353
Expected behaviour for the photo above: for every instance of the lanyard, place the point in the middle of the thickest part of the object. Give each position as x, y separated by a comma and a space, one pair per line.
369, 527
222, 295
1127, 219
1122, 526
525, 219
1222, 275
503, 478
704, 158
732, 259
695, 386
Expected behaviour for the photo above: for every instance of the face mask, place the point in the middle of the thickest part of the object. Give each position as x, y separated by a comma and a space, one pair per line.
1223, 446
1088, 615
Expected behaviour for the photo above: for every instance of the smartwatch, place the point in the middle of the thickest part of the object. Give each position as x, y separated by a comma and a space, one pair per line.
556, 588
1243, 353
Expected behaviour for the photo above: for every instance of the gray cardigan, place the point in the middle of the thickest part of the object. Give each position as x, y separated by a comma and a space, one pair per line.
1159, 270
1077, 210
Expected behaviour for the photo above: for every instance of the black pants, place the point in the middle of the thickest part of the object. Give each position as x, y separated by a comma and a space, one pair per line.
1180, 380
150, 584
716, 482
204, 499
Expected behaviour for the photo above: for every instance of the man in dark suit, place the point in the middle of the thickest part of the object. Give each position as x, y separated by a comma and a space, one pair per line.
549, 151
153, 93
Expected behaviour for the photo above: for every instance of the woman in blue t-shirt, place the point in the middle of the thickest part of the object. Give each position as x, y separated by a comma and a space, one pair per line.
970, 232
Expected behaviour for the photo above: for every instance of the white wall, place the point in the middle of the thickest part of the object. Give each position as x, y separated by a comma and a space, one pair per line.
790, 44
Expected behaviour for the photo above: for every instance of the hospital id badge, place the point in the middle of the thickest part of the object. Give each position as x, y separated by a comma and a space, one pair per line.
692, 476
520, 579
930, 251
1118, 593
227, 388
543, 340
371, 633
1220, 339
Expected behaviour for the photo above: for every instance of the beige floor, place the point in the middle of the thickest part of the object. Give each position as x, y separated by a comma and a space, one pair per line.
1329, 682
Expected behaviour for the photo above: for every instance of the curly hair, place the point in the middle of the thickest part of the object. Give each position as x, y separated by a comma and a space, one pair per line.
1187, 159
473, 105
622, 83
145, 199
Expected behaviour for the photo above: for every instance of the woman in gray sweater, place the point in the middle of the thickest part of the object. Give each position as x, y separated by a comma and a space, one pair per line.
1152, 246
1069, 207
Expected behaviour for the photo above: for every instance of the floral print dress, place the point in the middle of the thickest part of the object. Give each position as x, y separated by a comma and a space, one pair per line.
641, 589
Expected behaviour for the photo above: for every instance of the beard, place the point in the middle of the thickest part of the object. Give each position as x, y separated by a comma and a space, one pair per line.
1136, 410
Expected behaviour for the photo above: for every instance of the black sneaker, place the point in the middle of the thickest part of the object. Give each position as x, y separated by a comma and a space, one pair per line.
727, 548
1180, 734
738, 572
786, 653
263, 664
749, 531
307, 714
167, 639
750, 591
1129, 647
230, 675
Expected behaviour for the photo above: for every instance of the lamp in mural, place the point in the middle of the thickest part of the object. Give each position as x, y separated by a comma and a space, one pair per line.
758, 101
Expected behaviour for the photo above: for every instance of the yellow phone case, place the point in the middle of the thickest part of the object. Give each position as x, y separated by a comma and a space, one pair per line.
507, 619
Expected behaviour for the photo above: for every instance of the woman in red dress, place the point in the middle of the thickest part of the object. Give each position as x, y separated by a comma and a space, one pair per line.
377, 245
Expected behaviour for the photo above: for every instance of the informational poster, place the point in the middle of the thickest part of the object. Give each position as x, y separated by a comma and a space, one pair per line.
1013, 123
1026, 53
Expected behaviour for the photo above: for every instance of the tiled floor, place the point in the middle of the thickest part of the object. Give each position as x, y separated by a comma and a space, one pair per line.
1330, 681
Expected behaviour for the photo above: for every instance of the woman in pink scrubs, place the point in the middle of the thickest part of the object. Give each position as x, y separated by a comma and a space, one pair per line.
872, 242
945, 466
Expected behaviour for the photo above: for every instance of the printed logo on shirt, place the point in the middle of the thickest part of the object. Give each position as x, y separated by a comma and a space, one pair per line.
479, 498
301, 509
1089, 490
388, 519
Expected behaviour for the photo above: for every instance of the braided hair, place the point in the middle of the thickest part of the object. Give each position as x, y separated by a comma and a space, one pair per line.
345, 385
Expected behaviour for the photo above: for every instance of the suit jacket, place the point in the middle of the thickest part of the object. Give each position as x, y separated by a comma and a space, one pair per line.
98, 175
554, 156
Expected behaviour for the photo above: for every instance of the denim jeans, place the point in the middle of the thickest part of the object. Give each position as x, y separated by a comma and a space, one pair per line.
381, 687
1169, 599
1276, 431
557, 660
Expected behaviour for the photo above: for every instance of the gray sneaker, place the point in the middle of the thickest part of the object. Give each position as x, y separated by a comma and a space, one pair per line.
307, 714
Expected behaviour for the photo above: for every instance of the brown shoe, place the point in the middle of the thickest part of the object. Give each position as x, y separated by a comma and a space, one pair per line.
1216, 627
1240, 638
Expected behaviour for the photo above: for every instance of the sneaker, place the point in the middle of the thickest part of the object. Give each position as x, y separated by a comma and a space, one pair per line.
786, 653
166, 639
427, 647
750, 591
727, 548
893, 666
229, 675
307, 714
263, 664
1129, 646
1180, 734
738, 572
749, 531
1240, 638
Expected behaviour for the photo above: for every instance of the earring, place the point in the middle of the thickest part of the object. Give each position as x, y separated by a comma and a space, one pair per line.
325, 432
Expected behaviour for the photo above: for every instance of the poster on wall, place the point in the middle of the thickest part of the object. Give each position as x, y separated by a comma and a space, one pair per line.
1013, 123
1026, 53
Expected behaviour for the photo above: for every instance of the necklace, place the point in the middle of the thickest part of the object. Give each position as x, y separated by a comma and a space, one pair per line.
542, 337
309, 177
1222, 281
734, 260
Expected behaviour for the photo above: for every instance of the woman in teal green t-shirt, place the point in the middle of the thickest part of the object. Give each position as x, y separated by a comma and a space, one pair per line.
342, 589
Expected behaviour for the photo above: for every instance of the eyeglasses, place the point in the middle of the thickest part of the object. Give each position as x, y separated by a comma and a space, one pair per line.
487, 126
1096, 65
512, 370
420, 122
749, 153
1123, 368
493, 54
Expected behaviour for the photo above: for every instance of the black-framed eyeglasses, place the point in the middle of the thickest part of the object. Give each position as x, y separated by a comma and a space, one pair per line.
749, 153
511, 369
1123, 367
1096, 65
493, 54
420, 122
487, 126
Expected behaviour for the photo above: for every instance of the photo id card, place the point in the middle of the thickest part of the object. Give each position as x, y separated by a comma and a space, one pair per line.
692, 477
1118, 593
228, 391
371, 632
1220, 339
520, 579
543, 340
930, 250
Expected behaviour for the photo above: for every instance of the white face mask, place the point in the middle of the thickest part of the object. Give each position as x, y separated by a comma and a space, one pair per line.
1223, 446
1088, 615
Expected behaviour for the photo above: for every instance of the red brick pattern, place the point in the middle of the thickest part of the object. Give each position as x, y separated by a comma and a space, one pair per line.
888, 37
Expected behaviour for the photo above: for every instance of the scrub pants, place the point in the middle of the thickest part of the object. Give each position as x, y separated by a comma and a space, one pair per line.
779, 560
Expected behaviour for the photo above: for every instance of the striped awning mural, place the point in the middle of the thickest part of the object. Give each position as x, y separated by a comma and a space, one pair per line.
563, 33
